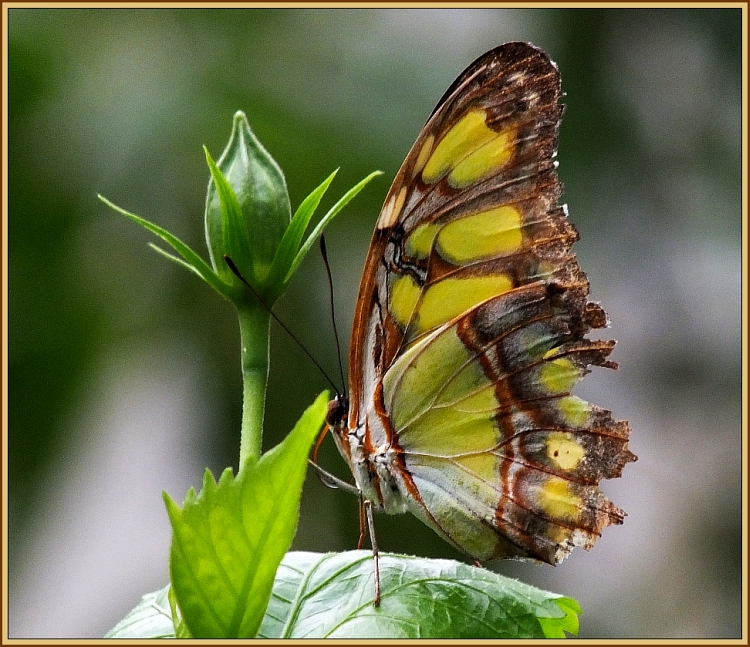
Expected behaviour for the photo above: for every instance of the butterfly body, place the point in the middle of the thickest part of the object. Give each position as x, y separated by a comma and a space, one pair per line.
469, 332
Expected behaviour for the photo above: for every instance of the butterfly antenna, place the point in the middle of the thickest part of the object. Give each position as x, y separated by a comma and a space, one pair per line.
294, 337
324, 253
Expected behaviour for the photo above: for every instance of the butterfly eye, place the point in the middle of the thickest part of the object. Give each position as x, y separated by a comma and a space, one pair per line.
337, 411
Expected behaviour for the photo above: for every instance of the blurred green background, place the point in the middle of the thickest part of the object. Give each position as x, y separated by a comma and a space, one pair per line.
124, 372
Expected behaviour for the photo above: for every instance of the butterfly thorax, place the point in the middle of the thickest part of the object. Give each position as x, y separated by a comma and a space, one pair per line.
374, 466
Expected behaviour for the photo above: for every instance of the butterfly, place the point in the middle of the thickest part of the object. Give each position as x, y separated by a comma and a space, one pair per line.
470, 332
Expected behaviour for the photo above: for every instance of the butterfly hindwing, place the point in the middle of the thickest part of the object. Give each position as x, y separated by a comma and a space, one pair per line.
469, 332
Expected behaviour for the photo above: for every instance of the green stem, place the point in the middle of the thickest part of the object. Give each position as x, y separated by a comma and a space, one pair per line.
254, 326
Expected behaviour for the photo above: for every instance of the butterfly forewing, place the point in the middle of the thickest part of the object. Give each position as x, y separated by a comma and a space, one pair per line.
470, 327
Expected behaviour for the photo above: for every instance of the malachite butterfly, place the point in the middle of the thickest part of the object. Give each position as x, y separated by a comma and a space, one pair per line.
470, 332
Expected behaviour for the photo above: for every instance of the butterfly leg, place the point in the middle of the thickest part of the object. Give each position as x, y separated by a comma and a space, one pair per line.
331, 481
362, 524
365, 518
366, 508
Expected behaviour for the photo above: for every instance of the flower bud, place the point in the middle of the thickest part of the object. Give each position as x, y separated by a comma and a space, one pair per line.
248, 209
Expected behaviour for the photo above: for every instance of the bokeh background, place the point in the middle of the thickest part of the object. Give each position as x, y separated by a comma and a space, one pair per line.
123, 368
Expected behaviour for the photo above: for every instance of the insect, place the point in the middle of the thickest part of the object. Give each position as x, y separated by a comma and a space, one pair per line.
470, 332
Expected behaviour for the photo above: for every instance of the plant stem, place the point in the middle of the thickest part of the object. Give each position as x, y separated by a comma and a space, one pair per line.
254, 328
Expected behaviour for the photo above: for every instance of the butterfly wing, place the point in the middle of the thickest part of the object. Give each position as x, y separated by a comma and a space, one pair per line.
470, 331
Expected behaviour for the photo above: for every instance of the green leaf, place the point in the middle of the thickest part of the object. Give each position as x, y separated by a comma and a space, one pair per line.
330, 596
192, 260
180, 628
151, 618
293, 235
556, 627
343, 201
229, 539
234, 241
175, 259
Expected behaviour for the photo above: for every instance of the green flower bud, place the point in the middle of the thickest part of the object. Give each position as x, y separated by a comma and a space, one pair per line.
247, 210
248, 220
